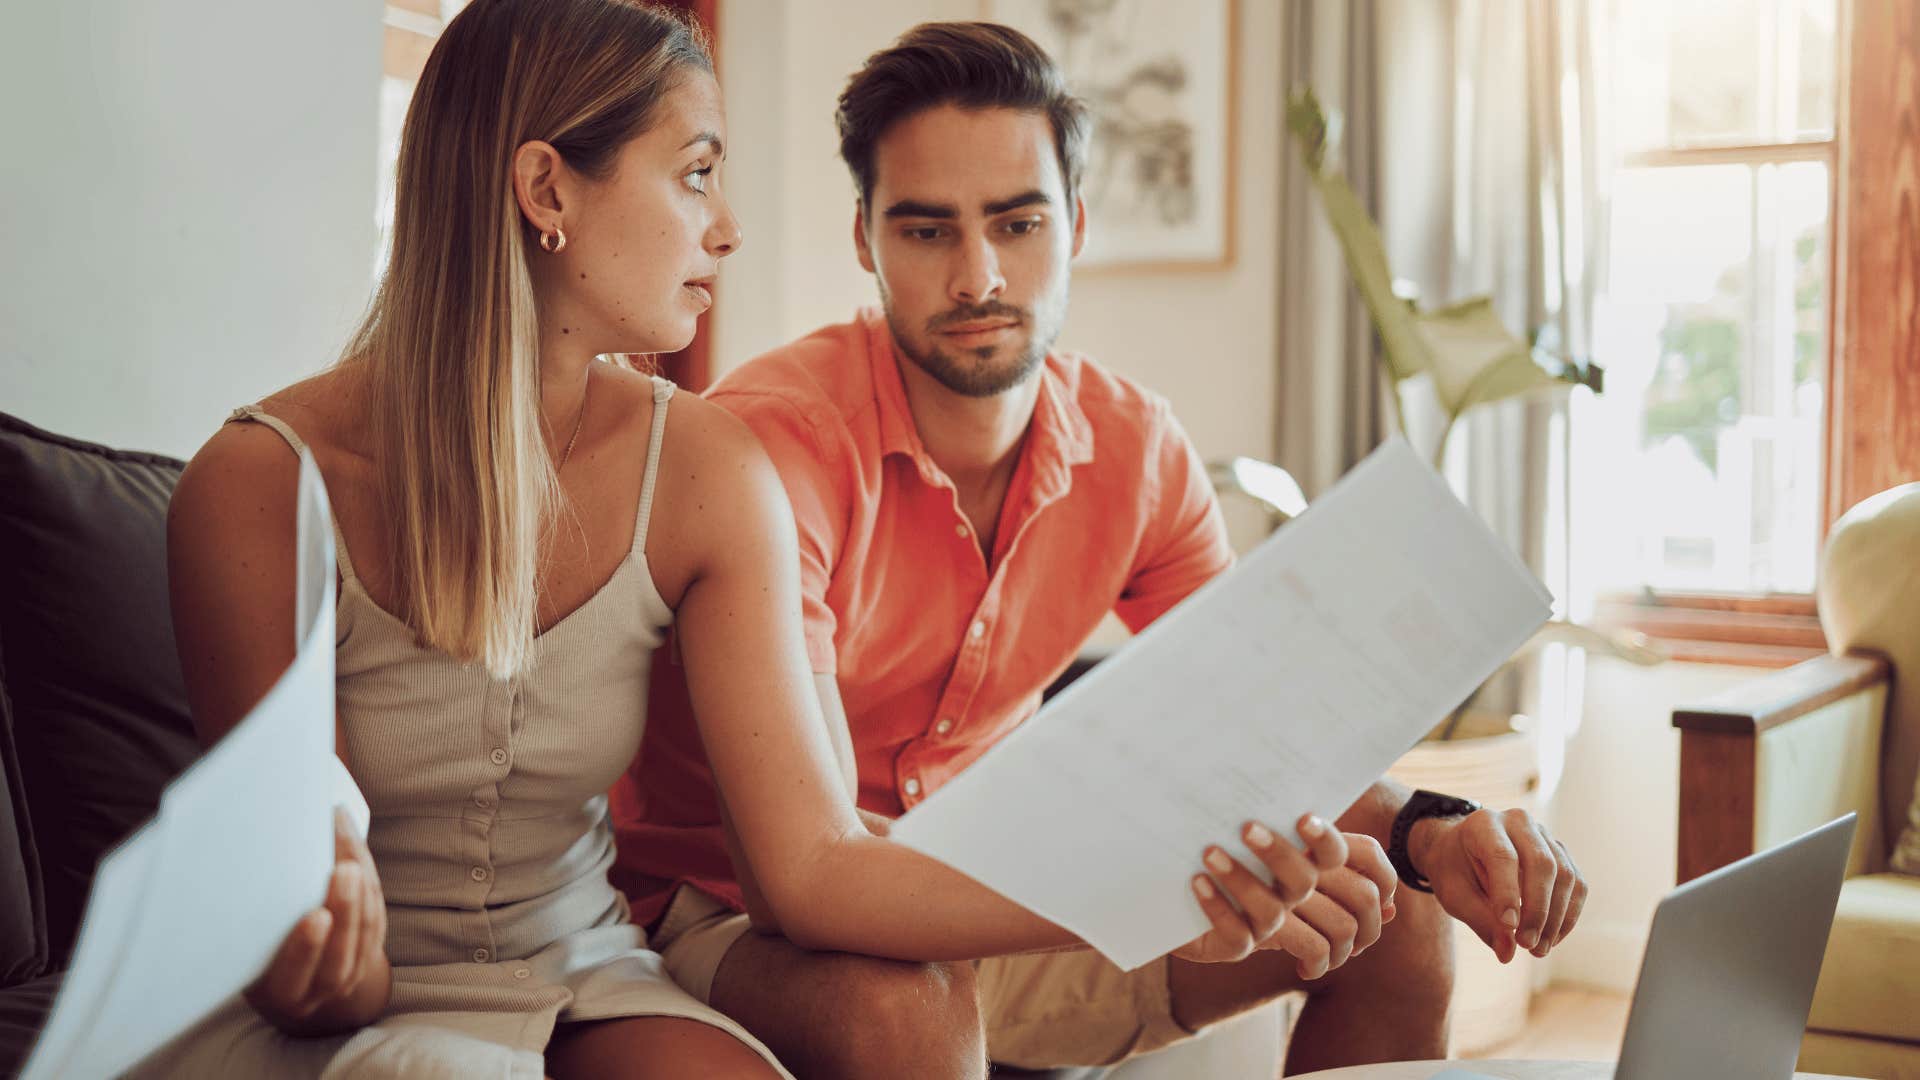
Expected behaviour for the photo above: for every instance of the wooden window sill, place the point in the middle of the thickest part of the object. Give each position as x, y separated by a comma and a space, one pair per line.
1775, 631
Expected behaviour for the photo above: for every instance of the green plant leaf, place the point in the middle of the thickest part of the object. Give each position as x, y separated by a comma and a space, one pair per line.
1471, 356
1475, 359
1366, 255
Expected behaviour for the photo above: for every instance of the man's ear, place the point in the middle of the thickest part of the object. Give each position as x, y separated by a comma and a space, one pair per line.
1079, 225
539, 180
860, 245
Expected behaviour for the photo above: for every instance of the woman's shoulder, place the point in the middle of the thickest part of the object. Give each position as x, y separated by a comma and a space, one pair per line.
697, 431
255, 464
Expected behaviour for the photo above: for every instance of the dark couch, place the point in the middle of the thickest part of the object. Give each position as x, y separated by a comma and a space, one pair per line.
93, 716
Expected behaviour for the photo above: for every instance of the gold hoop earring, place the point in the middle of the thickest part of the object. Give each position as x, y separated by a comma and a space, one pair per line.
549, 243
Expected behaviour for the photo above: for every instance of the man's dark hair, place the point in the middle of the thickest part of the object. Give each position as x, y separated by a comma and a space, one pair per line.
974, 65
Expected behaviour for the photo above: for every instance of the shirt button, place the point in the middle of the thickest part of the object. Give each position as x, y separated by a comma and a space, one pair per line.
499, 755
911, 787
478, 873
943, 727
480, 956
960, 531
521, 973
483, 802
978, 630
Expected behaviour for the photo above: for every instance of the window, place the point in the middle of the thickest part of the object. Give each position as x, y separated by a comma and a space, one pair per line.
1701, 468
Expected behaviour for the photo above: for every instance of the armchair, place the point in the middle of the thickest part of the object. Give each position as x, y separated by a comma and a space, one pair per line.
1788, 751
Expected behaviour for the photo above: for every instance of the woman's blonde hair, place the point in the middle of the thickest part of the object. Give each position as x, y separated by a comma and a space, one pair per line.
450, 344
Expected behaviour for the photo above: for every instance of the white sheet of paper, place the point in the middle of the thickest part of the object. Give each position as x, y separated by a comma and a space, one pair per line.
1283, 687
191, 908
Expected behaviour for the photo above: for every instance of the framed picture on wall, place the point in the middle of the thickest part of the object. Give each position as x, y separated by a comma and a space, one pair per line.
1158, 78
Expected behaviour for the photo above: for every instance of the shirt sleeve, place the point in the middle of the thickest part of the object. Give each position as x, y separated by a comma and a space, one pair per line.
1184, 541
812, 467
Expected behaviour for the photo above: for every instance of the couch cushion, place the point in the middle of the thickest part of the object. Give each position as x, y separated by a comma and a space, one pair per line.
23, 914
1869, 590
1871, 975
23, 1012
99, 712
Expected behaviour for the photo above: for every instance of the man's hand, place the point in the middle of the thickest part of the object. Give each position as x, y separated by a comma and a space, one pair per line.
1344, 915
1500, 873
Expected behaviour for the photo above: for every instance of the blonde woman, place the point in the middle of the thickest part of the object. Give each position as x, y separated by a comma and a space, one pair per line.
516, 525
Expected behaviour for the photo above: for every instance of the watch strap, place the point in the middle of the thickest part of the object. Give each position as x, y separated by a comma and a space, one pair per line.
1420, 806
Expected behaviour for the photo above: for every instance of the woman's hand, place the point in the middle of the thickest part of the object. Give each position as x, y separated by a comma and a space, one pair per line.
1257, 911
1346, 913
331, 972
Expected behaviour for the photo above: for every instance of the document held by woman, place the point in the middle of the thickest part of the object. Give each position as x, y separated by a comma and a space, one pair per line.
191, 907
1286, 686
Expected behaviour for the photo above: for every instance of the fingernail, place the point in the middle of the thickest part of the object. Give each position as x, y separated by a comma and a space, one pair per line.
1531, 939
1203, 888
1219, 861
1315, 825
1258, 836
1510, 918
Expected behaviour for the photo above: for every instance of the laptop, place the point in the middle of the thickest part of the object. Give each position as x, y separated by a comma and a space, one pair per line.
1727, 978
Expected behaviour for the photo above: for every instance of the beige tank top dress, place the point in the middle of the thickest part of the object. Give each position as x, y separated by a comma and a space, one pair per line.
491, 838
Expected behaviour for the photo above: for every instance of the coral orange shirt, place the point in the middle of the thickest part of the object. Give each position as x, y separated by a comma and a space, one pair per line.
940, 649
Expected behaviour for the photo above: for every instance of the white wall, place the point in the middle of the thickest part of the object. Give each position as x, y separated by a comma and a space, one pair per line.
186, 207
1618, 809
1205, 338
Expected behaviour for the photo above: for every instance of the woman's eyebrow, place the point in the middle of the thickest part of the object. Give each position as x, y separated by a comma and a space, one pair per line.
709, 137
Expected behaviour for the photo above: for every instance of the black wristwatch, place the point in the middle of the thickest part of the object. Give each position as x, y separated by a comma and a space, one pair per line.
1422, 804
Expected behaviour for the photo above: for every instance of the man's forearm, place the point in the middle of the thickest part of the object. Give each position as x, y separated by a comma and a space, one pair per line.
1373, 812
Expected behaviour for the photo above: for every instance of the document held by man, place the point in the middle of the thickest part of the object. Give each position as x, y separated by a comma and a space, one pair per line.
190, 908
1285, 686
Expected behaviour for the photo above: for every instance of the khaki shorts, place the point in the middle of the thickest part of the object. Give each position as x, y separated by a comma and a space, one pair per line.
1042, 1010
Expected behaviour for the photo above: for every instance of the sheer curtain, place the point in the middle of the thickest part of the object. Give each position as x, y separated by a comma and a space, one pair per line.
1473, 131
1332, 407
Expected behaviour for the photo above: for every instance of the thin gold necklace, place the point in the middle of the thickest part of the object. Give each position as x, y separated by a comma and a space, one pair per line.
575, 437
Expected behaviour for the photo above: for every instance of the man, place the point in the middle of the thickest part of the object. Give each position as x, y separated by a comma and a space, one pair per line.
970, 504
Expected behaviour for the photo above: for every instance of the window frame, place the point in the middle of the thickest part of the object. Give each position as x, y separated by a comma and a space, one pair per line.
1769, 630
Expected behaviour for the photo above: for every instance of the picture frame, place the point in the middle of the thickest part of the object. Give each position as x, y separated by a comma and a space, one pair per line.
1159, 80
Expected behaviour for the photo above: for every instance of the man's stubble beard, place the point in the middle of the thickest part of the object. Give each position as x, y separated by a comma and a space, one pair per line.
979, 380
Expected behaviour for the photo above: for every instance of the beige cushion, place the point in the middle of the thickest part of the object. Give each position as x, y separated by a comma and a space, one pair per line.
1870, 601
1870, 980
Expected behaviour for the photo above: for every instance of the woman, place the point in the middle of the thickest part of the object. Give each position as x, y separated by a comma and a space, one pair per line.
516, 524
